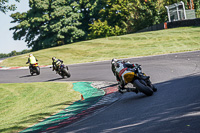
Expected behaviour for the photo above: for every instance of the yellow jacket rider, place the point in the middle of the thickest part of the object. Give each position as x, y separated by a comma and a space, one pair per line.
31, 59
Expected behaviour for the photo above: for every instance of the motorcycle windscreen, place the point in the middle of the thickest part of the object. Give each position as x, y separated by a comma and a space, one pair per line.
128, 77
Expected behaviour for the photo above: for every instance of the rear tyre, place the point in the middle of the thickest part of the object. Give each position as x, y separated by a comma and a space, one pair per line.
37, 70
142, 88
31, 72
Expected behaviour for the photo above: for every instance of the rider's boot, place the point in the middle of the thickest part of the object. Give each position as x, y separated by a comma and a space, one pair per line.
121, 89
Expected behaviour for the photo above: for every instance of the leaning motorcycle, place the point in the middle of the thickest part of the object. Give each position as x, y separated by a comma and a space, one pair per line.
34, 68
63, 71
140, 81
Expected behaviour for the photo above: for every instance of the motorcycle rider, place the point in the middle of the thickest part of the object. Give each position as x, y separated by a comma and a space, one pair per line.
56, 63
31, 60
119, 68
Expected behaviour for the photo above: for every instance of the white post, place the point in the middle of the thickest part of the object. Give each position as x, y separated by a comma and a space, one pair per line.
168, 13
183, 9
177, 11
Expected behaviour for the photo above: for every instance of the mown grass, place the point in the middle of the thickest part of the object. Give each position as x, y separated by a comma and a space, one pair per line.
131, 45
24, 104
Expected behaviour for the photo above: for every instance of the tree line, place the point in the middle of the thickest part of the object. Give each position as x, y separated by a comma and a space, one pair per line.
14, 53
51, 23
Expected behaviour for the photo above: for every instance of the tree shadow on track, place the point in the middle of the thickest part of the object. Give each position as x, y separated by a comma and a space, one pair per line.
175, 107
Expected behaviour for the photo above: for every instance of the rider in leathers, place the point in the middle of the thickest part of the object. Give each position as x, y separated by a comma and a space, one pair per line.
31, 60
119, 68
56, 63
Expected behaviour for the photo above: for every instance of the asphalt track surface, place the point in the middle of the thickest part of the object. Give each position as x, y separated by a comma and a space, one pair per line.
175, 108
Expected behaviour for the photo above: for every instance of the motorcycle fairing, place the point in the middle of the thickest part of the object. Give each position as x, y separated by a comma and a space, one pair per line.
128, 77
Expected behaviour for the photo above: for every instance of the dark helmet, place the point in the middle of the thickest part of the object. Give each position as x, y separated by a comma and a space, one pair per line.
53, 58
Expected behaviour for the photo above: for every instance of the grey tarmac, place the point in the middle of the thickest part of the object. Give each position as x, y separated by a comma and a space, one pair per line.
175, 108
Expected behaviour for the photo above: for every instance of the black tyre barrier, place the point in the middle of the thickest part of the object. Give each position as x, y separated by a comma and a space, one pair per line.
174, 24
184, 23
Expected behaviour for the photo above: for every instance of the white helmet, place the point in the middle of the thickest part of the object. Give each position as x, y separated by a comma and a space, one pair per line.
114, 60
30, 55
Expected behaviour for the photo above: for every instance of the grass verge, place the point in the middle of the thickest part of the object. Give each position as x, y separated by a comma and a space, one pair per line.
24, 104
131, 45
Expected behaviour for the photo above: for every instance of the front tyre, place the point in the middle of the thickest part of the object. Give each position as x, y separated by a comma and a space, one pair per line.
142, 88
66, 72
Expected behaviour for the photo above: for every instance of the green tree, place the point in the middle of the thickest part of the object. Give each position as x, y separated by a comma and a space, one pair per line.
197, 8
115, 12
3, 55
146, 15
113, 18
102, 29
128, 15
13, 53
48, 23
4, 7
89, 10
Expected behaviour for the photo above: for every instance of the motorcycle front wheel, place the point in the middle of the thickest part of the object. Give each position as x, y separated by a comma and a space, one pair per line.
142, 88
66, 72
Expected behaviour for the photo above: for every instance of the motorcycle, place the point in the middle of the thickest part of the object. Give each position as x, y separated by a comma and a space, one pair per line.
63, 71
140, 81
34, 68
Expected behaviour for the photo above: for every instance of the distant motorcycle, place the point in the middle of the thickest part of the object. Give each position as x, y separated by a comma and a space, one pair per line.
140, 81
34, 68
63, 71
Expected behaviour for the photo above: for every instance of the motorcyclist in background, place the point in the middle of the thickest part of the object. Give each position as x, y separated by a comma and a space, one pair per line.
56, 63
119, 68
31, 60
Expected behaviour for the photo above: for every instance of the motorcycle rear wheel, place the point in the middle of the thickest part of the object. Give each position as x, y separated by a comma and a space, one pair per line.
142, 88
37, 70
31, 72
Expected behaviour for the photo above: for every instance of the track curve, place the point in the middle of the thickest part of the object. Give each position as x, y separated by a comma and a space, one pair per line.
174, 108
